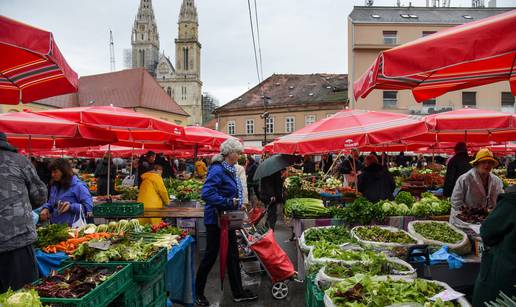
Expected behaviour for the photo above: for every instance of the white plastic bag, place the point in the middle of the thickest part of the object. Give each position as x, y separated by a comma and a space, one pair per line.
128, 181
461, 248
81, 220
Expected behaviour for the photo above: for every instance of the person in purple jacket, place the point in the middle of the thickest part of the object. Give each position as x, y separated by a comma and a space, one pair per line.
68, 196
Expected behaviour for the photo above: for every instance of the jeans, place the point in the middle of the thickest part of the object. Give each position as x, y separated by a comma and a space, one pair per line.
207, 262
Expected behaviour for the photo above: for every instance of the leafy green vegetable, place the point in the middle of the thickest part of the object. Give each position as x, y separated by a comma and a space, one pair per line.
184, 190
438, 231
20, 298
363, 212
406, 198
377, 234
324, 249
391, 208
305, 207
429, 205
123, 250
52, 234
334, 234
363, 290
379, 266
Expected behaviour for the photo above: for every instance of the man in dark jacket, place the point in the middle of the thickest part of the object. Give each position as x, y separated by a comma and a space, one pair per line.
250, 169
101, 173
271, 194
20, 192
498, 267
458, 165
511, 169
375, 182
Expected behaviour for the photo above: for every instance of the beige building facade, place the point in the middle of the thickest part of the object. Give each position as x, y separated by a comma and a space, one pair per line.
374, 29
290, 102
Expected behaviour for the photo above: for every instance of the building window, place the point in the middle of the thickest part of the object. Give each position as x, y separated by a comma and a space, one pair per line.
185, 63
390, 37
290, 124
507, 102
426, 33
309, 119
269, 125
142, 58
183, 92
249, 126
169, 91
390, 99
469, 99
430, 103
231, 127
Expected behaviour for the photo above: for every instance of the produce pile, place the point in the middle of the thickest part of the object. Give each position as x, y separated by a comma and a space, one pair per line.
70, 246
473, 215
406, 205
328, 250
184, 190
52, 234
428, 176
378, 234
20, 298
119, 249
128, 193
379, 266
74, 282
305, 208
335, 235
438, 232
364, 290
361, 212
301, 186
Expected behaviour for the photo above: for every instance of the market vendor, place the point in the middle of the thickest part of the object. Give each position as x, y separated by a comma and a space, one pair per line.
222, 191
153, 193
478, 188
20, 191
69, 201
498, 267
375, 182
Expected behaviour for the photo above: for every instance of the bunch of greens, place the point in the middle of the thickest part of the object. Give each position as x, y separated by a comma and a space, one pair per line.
52, 234
324, 249
20, 298
379, 266
305, 208
378, 234
363, 212
429, 205
299, 187
73, 282
123, 250
391, 208
184, 190
129, 193
337, 212
334, 234
363, 290
406, 198
441, 232
121, 226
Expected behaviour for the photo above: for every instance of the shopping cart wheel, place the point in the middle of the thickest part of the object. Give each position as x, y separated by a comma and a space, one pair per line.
279, 290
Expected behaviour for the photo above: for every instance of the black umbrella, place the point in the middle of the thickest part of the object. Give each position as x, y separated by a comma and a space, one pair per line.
273, 164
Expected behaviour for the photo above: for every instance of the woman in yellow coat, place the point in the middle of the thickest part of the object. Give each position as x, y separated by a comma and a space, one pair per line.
153, 193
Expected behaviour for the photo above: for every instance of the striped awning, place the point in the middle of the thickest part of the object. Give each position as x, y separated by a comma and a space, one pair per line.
469, 55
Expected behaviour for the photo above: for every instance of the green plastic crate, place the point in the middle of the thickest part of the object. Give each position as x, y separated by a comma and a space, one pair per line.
314, 297
141, 294
146, 271
101, 295
160, 302
118, 209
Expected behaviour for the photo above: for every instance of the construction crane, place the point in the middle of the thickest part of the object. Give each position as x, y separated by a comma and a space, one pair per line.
111, 51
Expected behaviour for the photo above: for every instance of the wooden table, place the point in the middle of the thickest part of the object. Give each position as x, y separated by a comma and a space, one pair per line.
183, 212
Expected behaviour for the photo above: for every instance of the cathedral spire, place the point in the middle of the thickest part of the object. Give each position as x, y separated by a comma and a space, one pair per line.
188, 12
145, 38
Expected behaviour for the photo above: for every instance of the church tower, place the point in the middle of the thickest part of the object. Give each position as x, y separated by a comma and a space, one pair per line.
187, 87
145, 38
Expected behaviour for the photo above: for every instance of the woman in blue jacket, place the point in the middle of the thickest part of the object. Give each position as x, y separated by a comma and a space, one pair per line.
222, 191
68, 197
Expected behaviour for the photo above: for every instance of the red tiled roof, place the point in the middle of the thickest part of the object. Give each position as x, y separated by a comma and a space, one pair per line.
128, 88
212, 123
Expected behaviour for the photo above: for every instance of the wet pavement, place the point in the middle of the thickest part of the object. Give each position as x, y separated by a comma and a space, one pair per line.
259, 283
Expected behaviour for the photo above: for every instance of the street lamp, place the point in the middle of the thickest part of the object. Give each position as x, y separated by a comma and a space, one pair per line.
265, 115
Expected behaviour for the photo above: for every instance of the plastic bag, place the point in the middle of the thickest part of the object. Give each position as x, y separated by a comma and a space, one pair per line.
128, 181
454, 261
81, 220
306, 248
461, 248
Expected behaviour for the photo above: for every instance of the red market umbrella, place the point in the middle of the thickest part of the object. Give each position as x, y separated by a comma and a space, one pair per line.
468, 125
31, 65
348, 129
205, 136
29, 131
469, 55
250, 150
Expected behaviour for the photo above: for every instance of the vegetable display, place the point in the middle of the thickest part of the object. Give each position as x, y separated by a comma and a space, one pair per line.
335, 235
391, 208
118, 250
380, 266
52, 234
305, 208
300, 186
184, 190
378, 234
363, 212
74, 282
327, 250
438, 231
404, 197
129, 193
472, 215
70, 246
20, 298
364, 290
429, 205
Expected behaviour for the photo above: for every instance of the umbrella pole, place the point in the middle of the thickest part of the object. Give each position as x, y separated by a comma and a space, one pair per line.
109, 170
333, 164
132, 161
30, 146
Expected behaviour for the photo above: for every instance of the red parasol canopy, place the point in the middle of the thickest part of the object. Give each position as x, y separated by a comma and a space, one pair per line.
205, 136
348, 129
29, 130
129, 126
464, 56
468, 125
250, 150
31, 65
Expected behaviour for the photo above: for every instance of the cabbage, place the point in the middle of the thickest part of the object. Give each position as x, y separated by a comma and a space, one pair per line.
21, 298
421, 209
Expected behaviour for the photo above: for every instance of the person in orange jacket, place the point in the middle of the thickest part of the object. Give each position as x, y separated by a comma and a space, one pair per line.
153, 193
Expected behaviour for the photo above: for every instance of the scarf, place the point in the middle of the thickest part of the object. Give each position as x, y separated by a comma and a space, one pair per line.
232, 170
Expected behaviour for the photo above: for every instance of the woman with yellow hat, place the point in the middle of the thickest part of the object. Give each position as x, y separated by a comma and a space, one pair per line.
478, 188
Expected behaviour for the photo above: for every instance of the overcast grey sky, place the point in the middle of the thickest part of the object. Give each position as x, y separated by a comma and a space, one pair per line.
297, 36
